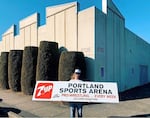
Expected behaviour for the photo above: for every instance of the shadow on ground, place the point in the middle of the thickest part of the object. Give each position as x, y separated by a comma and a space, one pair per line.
142, 115
136, 93
4, 111
135, 116
1, 100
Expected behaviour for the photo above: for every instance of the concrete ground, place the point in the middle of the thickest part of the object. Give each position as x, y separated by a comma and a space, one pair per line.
133, 103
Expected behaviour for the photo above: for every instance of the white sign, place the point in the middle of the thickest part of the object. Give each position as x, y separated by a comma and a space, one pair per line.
76, 91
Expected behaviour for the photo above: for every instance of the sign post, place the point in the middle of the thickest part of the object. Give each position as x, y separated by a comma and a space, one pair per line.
98, 92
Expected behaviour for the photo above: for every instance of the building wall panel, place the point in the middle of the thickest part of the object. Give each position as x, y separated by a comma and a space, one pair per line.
3, 44
110, 46
62, 25
122, 55
27, 36
28, 30
7, 42
8, 36
86, 32
19, 43
22, 38
100, 46
136, 49
42, 34
60, 28
50, 25
12, 42
1, 47
34, 34
71, 29
29, 20
116, 43
86, 39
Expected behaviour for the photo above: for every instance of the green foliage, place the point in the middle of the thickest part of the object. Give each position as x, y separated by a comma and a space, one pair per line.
47, 65
19, 69
68, 62
14, 69
4, 70
28, 74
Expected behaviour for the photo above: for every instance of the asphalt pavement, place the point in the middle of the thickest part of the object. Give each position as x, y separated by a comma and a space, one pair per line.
133, 103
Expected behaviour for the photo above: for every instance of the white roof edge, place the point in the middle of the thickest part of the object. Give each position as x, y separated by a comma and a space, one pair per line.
8, 31
64, 4
55, 9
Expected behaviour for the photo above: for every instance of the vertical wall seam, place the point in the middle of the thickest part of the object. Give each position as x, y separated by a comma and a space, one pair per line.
119, 53
30, 34
13, 42
54, 28
5, 44
65, 27
114, 53
106, 48
9, 44
24, 36
77, 29
37, 33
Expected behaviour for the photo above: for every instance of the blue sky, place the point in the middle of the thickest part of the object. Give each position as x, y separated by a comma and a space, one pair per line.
137, 15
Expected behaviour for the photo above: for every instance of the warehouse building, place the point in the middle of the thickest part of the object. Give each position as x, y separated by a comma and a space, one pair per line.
113, 53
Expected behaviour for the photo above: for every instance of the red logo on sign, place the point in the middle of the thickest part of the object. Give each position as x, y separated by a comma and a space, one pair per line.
44, 90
